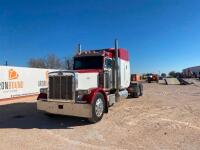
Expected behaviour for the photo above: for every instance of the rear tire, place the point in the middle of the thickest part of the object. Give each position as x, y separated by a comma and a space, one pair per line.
98, 108
135, 94
141, 89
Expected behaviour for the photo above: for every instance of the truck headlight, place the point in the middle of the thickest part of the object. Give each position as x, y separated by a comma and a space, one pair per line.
43, 90
81, 93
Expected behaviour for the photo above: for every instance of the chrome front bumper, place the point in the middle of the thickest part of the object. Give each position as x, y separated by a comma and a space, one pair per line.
65, 108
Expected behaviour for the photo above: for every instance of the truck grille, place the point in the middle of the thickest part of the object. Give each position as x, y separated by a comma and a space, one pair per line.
61, 87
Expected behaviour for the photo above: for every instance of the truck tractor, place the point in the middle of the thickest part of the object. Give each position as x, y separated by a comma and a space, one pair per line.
152, 77
98, 80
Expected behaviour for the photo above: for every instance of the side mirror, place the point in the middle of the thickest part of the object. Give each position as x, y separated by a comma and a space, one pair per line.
108, 63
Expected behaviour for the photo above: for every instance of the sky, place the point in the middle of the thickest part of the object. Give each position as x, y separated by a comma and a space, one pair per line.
161, 35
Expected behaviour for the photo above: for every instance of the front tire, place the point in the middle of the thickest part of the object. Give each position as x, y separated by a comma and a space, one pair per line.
51, 115
98, 107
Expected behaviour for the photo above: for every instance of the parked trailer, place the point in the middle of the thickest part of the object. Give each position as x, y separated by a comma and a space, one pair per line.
98, 79
21, 81
136, 77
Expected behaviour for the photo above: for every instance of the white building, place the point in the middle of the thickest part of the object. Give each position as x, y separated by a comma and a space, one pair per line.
192, 71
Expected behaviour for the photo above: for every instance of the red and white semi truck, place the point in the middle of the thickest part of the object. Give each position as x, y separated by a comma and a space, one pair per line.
98, 79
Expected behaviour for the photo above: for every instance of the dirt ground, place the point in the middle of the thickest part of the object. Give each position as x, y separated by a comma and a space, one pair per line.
166, 117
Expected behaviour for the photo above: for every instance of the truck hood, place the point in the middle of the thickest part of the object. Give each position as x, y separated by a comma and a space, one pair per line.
89, 70
87, 79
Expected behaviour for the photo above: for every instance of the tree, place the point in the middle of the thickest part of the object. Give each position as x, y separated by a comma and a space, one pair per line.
53, 62
37, 63
163, 75
178, 75
172, 74
67, 63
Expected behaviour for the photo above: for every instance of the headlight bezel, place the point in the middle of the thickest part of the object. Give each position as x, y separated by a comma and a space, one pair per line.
80, 94
44, 90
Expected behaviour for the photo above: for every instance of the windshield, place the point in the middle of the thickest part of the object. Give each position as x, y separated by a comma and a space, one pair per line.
89, 62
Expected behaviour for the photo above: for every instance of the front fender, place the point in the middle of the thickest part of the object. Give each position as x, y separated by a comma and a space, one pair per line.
93, 93
42, 96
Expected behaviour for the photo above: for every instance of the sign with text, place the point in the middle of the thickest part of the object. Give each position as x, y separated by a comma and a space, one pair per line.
22, 81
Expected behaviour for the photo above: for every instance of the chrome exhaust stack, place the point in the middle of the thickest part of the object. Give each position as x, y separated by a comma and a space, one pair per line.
117, 73
79, 48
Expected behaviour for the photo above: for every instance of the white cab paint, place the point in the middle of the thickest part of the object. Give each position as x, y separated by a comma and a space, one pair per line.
87, 80
124, 69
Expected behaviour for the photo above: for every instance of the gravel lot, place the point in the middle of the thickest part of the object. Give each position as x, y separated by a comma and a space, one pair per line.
166, 117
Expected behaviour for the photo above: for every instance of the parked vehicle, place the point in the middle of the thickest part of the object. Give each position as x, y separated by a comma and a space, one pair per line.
98, 79
136, 77
152, 77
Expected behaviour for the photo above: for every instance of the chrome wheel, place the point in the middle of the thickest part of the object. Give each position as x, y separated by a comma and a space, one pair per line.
99, 107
